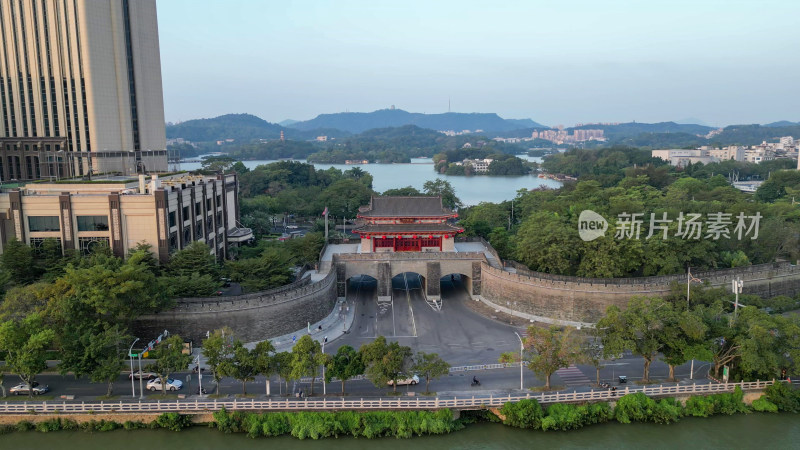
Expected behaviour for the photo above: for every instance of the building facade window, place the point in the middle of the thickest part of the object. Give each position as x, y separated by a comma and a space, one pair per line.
173, 242
90, 244
186, 214
37, 243
43, 223
93, 223
198, 229
172, 219
198, 208
187, 235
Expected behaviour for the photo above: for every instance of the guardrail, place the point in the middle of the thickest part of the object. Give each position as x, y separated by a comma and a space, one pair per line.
472, 402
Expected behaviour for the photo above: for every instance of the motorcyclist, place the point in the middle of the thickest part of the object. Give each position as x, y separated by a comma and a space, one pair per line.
475, 380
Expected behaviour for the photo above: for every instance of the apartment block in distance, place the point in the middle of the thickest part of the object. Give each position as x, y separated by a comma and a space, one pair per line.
80, 89
168, 213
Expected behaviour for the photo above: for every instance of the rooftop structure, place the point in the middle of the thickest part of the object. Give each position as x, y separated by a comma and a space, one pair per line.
406, 224
168, 213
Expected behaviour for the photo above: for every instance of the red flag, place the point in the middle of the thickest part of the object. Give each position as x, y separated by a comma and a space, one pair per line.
325, 213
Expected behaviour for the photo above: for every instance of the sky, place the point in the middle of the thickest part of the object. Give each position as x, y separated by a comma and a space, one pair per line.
554, 61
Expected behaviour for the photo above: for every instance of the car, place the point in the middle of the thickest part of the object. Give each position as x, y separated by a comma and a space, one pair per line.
23, 389
172, 384
142, 375
405, 381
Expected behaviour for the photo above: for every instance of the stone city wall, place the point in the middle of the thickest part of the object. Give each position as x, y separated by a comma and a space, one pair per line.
253, 317
586, 299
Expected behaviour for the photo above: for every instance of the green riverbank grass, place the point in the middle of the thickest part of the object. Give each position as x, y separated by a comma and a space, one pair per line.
527, 414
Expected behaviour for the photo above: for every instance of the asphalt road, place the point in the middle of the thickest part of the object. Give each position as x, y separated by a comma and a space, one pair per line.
456, 333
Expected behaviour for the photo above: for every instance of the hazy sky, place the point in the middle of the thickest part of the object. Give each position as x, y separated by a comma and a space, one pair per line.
554, 61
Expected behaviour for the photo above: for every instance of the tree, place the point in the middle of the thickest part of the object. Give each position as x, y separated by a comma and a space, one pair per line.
307, 356
21, 301
305, 250
345, 364
546, 242
682, 339
431, 366
593, 354
244, 364
444, 189
721, 338
17, 260
217, 350
49, 260
91, 308
217, 163
344, 197
270, 269
385, 362
195, 258
637, 329
548, 350
25, 344
169, 358
408, 191
283, 367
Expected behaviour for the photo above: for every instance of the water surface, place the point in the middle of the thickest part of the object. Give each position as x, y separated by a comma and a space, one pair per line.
471, 190
751, 431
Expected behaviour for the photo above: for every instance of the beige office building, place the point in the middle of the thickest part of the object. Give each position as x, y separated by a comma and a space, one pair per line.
80, 88
168, 213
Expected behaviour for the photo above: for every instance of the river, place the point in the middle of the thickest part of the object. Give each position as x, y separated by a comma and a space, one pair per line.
765, 431
471, 190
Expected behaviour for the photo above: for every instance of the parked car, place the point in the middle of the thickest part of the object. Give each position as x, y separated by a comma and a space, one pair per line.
23, 389
142, 375
172, 384
405, 381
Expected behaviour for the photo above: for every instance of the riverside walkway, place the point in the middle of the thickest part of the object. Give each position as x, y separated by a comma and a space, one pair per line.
332, 404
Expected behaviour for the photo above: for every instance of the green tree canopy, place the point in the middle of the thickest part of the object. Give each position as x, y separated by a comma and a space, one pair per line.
344, 365
25, 344
385, 361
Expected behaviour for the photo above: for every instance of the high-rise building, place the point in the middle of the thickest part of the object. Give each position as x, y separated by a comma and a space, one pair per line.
80, 88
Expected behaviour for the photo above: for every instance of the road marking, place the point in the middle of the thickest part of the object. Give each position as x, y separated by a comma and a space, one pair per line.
408, 298
572, 376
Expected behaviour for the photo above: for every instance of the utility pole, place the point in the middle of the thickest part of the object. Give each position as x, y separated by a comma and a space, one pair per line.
520, 361
737, 289
130, 355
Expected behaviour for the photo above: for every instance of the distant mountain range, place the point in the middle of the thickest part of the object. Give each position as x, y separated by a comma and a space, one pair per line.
357, 122
243, 128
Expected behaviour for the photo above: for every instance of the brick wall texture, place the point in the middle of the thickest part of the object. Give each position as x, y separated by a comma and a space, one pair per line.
586, 299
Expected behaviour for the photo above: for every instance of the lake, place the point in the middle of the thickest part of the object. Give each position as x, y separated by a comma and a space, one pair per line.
471, 190
781, 431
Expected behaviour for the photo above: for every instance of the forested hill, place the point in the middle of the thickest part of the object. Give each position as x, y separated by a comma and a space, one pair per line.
240, 127
624, 130
356, 122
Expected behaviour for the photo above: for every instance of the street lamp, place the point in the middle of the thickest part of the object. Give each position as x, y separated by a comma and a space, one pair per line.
199, 377
521, 346
133, 386
324, 384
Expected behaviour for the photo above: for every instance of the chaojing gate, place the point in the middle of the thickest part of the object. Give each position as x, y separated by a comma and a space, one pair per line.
408, 244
